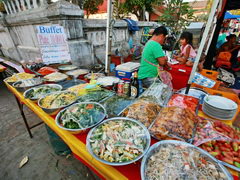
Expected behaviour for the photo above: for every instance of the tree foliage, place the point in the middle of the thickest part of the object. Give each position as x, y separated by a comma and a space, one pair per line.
176, 14
138, 7
91, 6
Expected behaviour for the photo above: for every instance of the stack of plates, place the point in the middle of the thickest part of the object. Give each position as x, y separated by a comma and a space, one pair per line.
219, 107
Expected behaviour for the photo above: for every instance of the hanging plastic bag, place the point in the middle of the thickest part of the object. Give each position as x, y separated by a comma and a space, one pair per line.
165, 77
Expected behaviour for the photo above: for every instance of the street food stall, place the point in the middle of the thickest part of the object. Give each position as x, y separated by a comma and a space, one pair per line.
111, 132
120, 134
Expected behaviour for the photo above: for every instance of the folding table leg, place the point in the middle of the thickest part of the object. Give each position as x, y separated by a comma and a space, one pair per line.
20, 106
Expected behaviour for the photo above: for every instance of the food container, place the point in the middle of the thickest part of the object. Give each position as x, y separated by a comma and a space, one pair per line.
145, 137
153, 149
55, 77
78, 73
107, 81
96, 95
24, 85
27, 93
80, 130
65, 68
95, 76
116, 104
18, 77
53, 111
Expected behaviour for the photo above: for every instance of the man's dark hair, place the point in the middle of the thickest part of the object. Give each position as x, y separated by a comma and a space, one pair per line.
160, 30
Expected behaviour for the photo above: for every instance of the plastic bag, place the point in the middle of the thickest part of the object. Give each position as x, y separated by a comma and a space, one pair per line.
174, 123
226, 76
116, 104
143, 110
161, 92
184, 101
220, 140
165, 77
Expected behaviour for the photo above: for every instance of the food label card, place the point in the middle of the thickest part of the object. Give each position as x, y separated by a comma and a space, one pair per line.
53, 44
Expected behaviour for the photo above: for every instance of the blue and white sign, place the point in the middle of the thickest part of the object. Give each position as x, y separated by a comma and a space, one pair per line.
53, 44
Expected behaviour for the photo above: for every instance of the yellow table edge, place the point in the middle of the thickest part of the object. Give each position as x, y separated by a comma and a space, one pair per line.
77, 147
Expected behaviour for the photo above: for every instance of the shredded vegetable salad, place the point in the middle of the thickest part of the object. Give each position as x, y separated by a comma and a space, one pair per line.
41, 91
118, 141
80, 116
58, 100
179, 162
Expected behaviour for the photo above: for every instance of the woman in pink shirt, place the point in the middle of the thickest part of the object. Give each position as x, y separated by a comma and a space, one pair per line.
187, 55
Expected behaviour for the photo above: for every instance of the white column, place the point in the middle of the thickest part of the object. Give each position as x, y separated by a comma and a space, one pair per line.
35, 5
6, 7
28, 4
9, 7
13, 6
108, 43
18, 5
23, 7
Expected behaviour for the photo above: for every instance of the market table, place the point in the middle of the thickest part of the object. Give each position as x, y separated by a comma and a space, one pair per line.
77, 143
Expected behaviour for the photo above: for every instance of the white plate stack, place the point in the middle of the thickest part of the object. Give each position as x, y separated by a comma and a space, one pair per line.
219, 107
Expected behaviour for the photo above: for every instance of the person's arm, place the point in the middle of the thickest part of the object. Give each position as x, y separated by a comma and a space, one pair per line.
162, 61
236, 47
184, 58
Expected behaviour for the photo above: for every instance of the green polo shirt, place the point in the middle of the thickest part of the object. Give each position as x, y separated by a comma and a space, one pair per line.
151, 52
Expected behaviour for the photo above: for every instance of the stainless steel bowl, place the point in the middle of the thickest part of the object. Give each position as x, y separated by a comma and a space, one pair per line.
53, 111
147, 137
57, 86
80, 130
154, 147
32, 83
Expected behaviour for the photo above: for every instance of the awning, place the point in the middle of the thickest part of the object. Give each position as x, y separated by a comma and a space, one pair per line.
228, 15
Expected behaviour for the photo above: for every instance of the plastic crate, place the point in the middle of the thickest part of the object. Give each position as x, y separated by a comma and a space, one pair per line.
210, 74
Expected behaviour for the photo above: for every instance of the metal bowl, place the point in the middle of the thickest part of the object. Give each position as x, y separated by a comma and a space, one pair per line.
66, 68
57, 86
53, 111
80, 130
11, 83
147, 137
32, 83
6, 79
154, 147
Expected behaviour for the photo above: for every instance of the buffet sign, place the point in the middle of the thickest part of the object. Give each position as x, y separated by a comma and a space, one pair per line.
53, 44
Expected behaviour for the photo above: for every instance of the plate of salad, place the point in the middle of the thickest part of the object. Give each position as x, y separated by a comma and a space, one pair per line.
80, 117
118, 141
38, 92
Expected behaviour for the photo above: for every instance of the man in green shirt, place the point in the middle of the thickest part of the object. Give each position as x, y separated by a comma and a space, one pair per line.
153, 56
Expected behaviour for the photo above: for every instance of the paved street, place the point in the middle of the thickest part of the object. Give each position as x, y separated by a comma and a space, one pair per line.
15, 144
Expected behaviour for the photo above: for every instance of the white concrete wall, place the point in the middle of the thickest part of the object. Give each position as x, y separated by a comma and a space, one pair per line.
86, 38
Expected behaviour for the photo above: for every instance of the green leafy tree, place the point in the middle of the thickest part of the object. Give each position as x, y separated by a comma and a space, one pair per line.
138, 7
91, 6
176, 14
